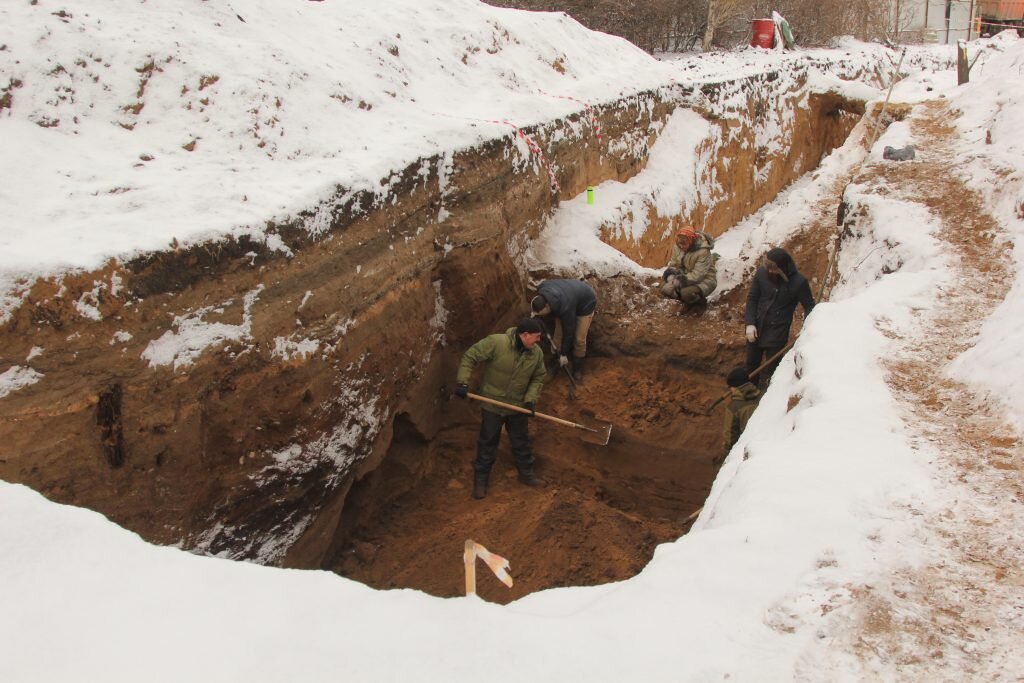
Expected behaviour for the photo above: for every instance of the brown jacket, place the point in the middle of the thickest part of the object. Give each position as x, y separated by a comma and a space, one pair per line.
697, 263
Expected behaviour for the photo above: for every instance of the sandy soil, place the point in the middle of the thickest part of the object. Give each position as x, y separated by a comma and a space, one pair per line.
598, 519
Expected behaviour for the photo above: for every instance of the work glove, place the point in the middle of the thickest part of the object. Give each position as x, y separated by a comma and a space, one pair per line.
669, 272
461, 390
532, 407
751, 334
563, 361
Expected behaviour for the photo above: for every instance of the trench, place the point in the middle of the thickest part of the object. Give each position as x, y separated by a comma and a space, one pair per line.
598, 519
651, 372
233, 455
604, 509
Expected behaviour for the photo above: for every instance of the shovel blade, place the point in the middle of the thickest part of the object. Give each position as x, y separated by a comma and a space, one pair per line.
597, 432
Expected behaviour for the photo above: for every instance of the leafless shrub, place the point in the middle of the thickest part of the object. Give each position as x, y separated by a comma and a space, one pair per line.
681, 25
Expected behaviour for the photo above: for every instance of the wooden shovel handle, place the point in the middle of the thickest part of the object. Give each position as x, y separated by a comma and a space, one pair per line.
753, 373
509, 406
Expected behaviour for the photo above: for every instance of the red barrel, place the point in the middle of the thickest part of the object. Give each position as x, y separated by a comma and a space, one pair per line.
764, 33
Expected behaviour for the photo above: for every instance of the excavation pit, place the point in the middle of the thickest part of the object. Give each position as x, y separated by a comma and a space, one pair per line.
598, 519
351, 456
654, 374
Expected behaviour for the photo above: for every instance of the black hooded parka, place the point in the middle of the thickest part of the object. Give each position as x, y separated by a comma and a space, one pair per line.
771, 302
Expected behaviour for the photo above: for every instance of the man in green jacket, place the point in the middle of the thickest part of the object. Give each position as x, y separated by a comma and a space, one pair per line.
745, 397
513, 373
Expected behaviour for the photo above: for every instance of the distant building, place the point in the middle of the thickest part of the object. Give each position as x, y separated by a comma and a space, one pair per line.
998, 15
947, 21
935, 21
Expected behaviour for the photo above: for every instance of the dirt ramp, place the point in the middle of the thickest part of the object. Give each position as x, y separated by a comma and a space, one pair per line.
587, 526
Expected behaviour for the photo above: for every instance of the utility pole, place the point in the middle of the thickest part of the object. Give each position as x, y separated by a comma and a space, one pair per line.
963, 70
949, 4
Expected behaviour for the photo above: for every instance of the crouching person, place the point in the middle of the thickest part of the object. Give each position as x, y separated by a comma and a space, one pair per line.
513, 373
691, 272
572, 303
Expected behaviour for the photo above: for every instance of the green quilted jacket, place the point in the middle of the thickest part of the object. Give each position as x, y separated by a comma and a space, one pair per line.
510, 376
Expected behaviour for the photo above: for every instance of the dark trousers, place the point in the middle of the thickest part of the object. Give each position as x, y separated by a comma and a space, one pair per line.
517, 426
755, 356
691, 295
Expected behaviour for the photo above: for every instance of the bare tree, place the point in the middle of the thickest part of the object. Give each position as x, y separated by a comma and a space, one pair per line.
674, 25
900, 20
650, 24
720, 12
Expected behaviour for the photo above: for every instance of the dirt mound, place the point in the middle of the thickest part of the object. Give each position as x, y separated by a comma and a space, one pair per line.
598, 519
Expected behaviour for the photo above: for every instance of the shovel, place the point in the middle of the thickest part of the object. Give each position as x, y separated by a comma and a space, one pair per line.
600, 433
555, 351
754, 373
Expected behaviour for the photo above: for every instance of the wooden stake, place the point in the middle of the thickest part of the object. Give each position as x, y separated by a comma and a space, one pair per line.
497, 563
469, 559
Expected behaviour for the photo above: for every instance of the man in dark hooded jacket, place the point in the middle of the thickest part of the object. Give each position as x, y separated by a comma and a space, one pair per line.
572, 302
777, 288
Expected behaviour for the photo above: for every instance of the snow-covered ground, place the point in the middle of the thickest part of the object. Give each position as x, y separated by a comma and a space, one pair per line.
816, 502
236, 115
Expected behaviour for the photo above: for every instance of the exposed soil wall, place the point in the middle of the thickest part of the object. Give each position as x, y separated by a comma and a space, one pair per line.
766, 132
229, 397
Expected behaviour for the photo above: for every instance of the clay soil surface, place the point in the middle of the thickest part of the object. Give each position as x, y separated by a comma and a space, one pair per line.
653, 374
598, 519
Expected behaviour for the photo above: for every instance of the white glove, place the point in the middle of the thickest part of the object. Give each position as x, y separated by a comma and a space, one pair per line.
751, 334
563, 361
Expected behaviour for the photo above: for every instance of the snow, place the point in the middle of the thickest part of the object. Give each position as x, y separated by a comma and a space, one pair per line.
572, 243
283, 102
194, 334
816, 503
286, 349
16, 377
991, 109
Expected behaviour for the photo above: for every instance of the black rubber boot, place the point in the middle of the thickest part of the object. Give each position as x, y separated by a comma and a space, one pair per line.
479, 485
528, 478
577, 369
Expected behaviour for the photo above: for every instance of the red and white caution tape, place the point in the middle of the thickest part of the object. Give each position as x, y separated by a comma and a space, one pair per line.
594, 123
535, 148
530, 144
